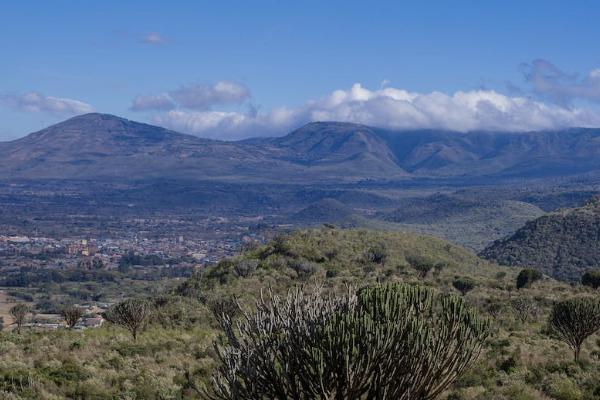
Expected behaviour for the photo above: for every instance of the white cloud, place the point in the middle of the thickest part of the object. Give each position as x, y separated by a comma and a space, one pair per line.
203, 97
550, 82
154, 38
194, 97
389, 108
161, 102
37, 102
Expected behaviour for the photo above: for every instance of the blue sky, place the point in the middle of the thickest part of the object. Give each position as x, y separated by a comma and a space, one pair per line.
251, 68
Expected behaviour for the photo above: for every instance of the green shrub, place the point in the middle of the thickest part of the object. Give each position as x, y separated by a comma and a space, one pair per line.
562, 388
591, 279
463, 285
527, 277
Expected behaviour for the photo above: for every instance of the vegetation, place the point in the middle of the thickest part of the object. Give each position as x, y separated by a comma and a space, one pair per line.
574, 320
132, 314
71, 315
464, 285
524, 308
176, 357
384, 342
527, 277
591, 279
19, 313
562, 244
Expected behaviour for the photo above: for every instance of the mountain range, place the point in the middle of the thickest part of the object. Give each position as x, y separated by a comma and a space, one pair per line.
102, 146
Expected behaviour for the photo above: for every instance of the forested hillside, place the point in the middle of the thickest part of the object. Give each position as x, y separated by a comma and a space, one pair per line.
562, 244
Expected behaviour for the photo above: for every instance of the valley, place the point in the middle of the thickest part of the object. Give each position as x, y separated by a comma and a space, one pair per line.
98, 211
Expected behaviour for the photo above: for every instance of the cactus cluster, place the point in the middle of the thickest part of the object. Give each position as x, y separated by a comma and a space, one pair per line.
383, 342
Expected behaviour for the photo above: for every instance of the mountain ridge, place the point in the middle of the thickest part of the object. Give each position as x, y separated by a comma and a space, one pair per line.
104, 146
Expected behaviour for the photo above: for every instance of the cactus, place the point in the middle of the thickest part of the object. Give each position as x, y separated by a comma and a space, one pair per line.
574, 320
383, 342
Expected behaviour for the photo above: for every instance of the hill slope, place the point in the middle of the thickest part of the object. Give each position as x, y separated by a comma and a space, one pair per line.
562, 244
338, 256
462, 217
99, 145
174, 357
104, 146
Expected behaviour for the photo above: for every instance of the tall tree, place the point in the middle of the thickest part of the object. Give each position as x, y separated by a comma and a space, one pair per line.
71, 315
574, 320
132, 314
19, 313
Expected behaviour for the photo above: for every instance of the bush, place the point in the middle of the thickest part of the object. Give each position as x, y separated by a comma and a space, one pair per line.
421, 264
562, 388
391, 339
377, 254
591, 279
304, 268
463, 285
527, 277
245, 268
524, 308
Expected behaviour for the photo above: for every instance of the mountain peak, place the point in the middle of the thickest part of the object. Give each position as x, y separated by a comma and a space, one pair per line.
87, 128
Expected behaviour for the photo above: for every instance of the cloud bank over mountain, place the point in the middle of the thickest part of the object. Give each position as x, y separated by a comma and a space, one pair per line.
386, 107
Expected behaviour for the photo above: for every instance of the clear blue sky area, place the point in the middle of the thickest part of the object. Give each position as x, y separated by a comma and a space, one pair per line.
284, 53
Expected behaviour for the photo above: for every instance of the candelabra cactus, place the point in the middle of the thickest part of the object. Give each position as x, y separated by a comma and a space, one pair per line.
383, 342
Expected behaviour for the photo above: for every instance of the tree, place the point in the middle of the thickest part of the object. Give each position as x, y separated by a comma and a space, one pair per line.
527, 277
494, 308
132, 314
71, 315
574, 320
19, 313
304, 268
438, 267
382, 342
245, 268
377, 254
463, 285
281, 245
591, 279
524, 308
421, 264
